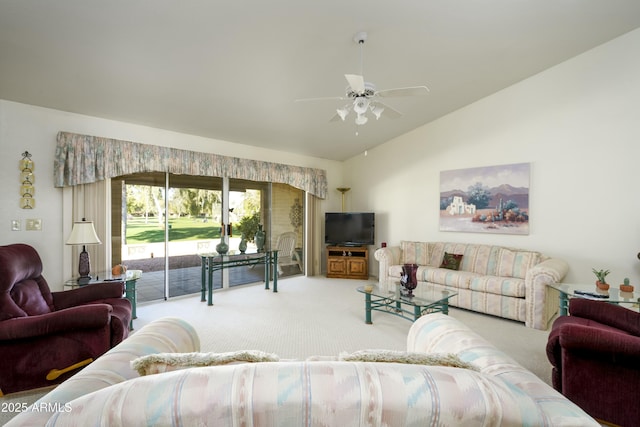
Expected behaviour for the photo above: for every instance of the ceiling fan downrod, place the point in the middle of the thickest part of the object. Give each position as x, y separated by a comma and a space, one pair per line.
360, 38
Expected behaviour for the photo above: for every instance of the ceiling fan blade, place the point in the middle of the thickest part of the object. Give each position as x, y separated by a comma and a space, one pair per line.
388, 112
326, 98
336, 118
403, 91
356, 82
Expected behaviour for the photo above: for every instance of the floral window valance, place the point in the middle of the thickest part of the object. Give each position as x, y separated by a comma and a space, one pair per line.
83, 159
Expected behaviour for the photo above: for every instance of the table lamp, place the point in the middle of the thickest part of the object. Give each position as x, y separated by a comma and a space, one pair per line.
83, 234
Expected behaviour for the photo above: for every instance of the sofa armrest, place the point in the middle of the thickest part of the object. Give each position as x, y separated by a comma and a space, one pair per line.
439, 333
386, 258
600, 371
90, 316
88, 293
539, 309
600, 344
607, 314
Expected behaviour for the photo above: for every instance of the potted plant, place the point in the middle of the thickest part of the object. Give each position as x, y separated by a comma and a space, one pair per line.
601, 283
248, 226
626, 287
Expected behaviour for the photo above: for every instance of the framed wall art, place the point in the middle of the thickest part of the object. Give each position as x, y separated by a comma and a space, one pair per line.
490, 199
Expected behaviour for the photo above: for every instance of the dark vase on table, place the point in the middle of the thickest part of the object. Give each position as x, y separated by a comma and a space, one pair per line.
409, 279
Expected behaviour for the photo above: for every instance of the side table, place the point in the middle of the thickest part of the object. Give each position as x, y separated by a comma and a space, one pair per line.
613, 295
130, 293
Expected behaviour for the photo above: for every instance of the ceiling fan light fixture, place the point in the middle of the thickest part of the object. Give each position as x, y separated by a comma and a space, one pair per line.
342, 112
361, 119
360, 105
377, 111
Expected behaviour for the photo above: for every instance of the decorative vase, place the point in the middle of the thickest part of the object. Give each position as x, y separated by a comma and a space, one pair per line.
260, 238
222, 247
409, 279
242, 247
602, 286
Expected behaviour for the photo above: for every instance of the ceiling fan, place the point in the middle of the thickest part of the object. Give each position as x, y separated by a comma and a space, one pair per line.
363, 97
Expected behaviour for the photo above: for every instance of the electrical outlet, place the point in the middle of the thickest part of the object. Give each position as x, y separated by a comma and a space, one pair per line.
15, 225
34, 224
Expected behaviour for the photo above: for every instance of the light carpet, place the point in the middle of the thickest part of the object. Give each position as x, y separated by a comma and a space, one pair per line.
316, 316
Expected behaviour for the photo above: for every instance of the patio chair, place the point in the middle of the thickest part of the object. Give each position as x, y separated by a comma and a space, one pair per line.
287, 254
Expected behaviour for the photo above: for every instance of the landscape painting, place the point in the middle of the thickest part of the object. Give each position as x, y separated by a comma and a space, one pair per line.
491, 199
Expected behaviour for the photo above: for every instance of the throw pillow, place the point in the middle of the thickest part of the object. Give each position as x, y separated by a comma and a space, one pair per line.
515, 263
413, 358
166, 362
414, 253
451, 261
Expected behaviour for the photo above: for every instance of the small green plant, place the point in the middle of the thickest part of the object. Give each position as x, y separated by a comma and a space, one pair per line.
249, 225
626, 281
601, 275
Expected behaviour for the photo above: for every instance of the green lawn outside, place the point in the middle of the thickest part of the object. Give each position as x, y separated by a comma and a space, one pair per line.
180, 229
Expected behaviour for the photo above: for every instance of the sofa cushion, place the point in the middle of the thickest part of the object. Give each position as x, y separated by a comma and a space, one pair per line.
509, 286
513, 263
480, 259
31, 297
414, 253
8, 308
451, 261
166, 362
444, 276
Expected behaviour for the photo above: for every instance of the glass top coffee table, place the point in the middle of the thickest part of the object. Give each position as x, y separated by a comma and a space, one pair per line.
378, 298
613, 295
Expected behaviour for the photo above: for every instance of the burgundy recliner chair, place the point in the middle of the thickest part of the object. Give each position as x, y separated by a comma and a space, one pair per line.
595, 353
46, 336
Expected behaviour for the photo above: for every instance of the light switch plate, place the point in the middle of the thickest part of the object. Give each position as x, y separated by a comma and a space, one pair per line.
34, 224
15, 225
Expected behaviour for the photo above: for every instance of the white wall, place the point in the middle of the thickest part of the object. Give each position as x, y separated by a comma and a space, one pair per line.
34, 129
577, 124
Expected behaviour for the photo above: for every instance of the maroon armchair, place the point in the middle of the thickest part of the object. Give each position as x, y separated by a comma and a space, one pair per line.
46, 336
595, 353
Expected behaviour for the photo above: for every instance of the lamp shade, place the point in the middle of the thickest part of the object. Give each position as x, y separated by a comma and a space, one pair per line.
83, 233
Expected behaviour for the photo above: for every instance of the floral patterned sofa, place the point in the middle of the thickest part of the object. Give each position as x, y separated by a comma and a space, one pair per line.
497, 280
318, 392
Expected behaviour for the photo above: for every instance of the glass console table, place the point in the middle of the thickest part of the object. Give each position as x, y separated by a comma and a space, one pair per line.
216, 262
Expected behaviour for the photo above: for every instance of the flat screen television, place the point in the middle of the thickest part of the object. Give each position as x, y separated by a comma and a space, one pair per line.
349, 228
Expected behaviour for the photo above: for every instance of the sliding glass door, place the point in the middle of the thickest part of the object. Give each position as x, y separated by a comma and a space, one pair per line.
162, 223
138, 223
194, 220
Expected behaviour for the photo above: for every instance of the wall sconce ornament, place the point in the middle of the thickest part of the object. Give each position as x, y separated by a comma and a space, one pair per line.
295, 214
27, 181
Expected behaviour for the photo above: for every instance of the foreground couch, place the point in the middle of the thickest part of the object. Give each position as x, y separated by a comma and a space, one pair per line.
496, 280
46, 336
320, 392
595, 353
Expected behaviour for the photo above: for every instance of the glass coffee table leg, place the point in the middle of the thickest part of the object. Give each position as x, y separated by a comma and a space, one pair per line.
564, 304
417, 312
367, 309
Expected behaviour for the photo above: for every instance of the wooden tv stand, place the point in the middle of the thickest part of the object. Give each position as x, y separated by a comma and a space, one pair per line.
346, 262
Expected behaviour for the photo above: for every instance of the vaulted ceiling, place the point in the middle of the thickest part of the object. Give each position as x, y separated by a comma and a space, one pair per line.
232, 70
